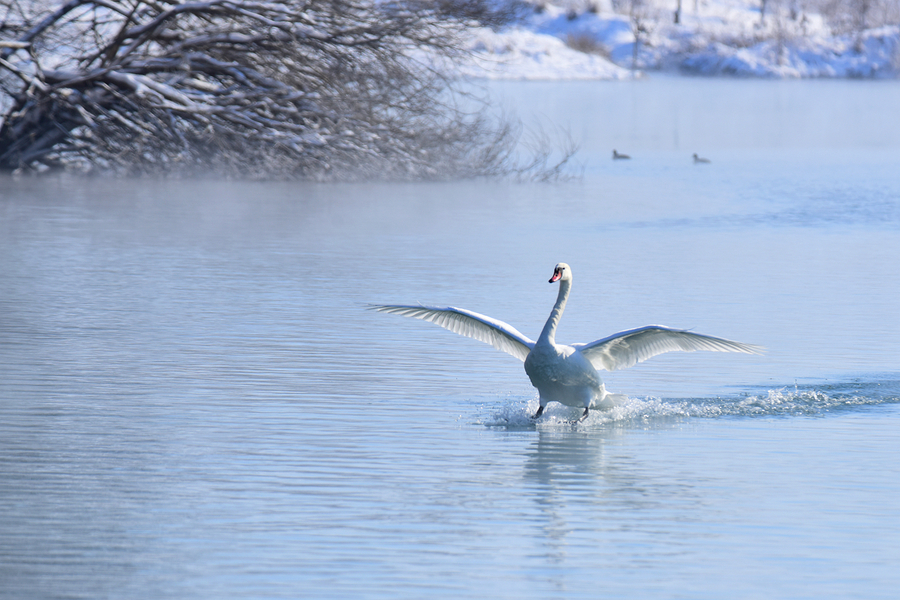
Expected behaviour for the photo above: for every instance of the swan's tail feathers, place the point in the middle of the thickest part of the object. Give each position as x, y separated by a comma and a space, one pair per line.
609, 401
498, 334
627, 348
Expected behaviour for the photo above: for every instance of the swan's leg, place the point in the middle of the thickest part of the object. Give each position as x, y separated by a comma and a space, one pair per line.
588, 398
539, 412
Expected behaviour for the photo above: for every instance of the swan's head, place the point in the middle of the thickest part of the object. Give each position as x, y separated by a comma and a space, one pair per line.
562, 272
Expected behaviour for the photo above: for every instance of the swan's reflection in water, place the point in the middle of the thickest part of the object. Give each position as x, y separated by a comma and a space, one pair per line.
582, 482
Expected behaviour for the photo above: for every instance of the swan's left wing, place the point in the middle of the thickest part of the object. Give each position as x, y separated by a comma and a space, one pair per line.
498, 334
627, 348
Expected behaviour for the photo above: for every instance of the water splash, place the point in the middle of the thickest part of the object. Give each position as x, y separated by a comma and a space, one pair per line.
795, 400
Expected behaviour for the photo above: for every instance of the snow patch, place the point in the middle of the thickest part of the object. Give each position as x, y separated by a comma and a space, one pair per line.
525, 54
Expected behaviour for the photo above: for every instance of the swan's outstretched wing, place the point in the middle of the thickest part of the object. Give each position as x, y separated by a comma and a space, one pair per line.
470, 324
627, 348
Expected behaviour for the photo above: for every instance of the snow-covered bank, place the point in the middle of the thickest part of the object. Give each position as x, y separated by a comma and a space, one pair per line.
875, 54
724, 37
519, 53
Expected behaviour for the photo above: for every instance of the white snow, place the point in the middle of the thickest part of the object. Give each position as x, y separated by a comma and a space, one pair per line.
524, 54
714, 37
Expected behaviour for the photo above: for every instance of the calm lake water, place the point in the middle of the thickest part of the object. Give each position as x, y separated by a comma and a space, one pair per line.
195, 403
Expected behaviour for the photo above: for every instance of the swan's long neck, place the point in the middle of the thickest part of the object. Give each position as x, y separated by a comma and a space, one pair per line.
549, 332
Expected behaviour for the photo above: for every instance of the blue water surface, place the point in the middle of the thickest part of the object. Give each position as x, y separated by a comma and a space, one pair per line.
195, 402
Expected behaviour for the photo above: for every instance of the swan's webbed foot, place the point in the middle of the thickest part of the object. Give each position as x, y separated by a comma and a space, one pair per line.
539, 412
584, 416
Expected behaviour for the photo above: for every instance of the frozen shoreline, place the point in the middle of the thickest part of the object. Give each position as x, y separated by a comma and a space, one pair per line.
723, 38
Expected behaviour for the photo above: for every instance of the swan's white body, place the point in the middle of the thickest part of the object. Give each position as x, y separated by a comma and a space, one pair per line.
568, 374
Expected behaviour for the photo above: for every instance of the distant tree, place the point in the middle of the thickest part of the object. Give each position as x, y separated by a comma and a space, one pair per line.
642, 18
325, 89
855, 16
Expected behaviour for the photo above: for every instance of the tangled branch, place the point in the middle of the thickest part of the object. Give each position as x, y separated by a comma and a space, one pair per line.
335, 89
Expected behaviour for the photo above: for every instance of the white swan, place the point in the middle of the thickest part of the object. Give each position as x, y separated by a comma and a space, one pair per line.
568, 374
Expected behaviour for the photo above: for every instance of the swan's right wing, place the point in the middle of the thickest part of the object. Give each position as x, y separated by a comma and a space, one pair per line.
498, 334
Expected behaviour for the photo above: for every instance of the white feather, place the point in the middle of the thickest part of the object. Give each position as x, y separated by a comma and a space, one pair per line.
627, 348
498, 334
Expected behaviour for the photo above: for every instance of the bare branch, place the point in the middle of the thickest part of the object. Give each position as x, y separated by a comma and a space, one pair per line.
341, 89
45, 23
